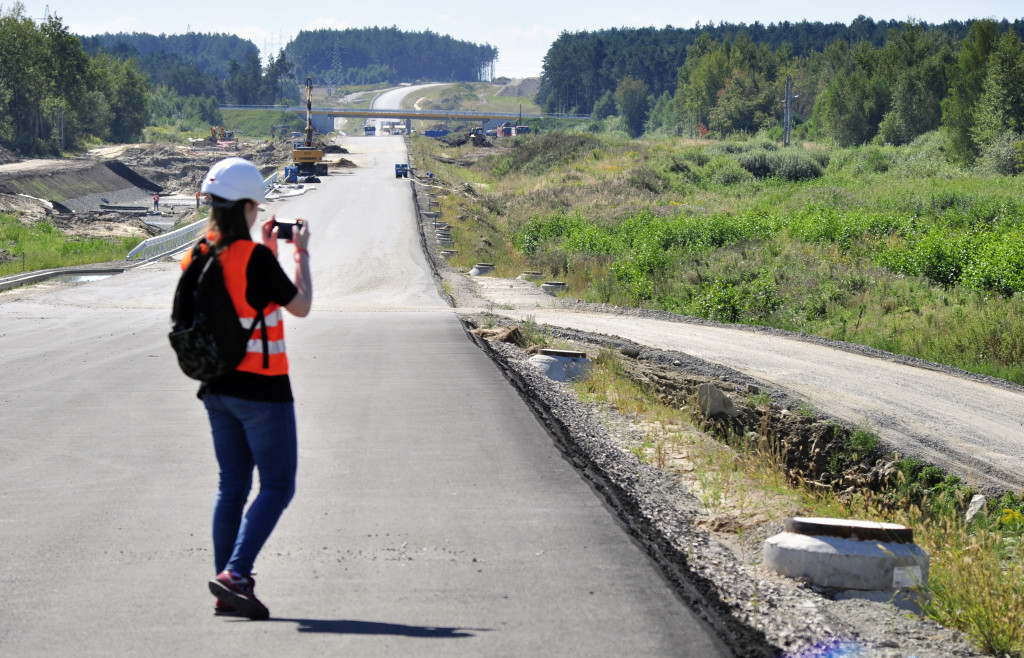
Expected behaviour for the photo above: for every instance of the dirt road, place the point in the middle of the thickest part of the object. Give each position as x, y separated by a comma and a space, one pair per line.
972, 426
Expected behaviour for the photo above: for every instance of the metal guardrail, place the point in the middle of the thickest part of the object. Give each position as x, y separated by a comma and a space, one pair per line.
169, 242
405, 114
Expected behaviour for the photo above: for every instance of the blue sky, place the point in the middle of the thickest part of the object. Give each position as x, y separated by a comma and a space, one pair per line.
522, 31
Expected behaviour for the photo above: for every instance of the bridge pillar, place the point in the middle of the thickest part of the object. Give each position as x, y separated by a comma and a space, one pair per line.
323, 123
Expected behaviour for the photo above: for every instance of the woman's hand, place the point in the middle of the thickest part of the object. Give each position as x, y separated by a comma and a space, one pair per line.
303, 300
269, 231
300, 234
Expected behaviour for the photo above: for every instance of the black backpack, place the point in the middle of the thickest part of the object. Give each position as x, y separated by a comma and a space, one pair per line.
206, 333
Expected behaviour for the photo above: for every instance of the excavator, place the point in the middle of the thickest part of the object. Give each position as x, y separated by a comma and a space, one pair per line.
308, 158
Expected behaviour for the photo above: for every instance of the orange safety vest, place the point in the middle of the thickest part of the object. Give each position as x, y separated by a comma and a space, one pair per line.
233, 261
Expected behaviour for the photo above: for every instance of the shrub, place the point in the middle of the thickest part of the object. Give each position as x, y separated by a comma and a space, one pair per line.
789, 164
646, 178
1003, 156
719, 301
795, 165
696, 155
726, 171
998, 264
821, 156
875, 160
757, 162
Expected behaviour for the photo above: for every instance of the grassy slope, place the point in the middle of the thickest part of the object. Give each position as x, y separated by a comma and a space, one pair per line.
863, 253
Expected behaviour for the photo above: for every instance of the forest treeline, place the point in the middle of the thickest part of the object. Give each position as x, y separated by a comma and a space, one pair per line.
59, 91
54, 97
870, 81
387, 54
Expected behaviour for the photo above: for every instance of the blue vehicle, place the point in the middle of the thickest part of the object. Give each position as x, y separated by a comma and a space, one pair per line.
401, 171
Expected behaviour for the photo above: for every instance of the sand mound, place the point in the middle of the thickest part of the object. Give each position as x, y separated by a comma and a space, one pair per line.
7, 157
522, 87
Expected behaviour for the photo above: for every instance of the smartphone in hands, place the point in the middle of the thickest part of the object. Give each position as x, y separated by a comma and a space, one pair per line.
286, 228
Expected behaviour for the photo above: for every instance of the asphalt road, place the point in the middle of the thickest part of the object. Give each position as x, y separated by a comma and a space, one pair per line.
434, 515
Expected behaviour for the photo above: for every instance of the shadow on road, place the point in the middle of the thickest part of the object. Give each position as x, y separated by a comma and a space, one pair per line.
356, 627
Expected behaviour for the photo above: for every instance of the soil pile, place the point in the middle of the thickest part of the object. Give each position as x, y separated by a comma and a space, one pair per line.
180, 170
7, 157
523, 87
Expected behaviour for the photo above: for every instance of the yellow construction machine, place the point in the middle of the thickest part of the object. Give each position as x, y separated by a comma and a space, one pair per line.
308, 158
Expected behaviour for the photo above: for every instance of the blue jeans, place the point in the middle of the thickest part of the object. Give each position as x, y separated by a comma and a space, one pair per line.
249, 434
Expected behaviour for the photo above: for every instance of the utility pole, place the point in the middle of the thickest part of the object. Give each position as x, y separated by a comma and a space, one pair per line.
788, 114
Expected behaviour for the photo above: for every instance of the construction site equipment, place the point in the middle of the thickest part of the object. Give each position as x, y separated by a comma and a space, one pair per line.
308, 158
219, 138
437, 130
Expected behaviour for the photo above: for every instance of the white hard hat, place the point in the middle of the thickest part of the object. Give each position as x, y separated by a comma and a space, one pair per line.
235, 179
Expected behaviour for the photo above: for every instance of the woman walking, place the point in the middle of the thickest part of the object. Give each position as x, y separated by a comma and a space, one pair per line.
251, 411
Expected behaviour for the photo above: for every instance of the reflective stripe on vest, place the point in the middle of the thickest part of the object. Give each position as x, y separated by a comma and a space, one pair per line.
256, 342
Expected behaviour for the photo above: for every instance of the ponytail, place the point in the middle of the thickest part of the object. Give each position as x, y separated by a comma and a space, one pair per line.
227, 220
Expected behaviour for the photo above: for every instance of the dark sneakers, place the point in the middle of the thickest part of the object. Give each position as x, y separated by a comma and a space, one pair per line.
236, 591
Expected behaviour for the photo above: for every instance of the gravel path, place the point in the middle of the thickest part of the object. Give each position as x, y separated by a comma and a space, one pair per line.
968, 424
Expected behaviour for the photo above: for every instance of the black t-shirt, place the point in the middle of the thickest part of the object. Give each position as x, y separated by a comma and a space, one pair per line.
266, 283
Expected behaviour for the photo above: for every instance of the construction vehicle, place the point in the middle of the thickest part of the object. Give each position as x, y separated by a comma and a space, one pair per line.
308, 158
221, 137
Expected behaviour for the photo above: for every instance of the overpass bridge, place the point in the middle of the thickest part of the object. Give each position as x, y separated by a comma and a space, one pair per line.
323, 117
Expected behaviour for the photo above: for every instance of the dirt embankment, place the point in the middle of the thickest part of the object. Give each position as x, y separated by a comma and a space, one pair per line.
109, 192
7, 157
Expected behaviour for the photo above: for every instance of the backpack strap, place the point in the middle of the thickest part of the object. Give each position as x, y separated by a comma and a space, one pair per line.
262, 321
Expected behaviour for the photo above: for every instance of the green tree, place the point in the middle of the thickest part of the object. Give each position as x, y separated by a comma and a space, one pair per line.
916, 105
699, 81
743, 104
632, 104
126, 90
604, 107
1000, 109
855, 97
277, 79
23, 55
662, 117
967, 79
245, 81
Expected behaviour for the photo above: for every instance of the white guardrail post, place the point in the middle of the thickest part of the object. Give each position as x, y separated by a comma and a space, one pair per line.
169, 242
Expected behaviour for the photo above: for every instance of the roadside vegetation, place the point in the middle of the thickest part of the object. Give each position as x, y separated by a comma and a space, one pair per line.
976, 578
890, 247
41, 246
